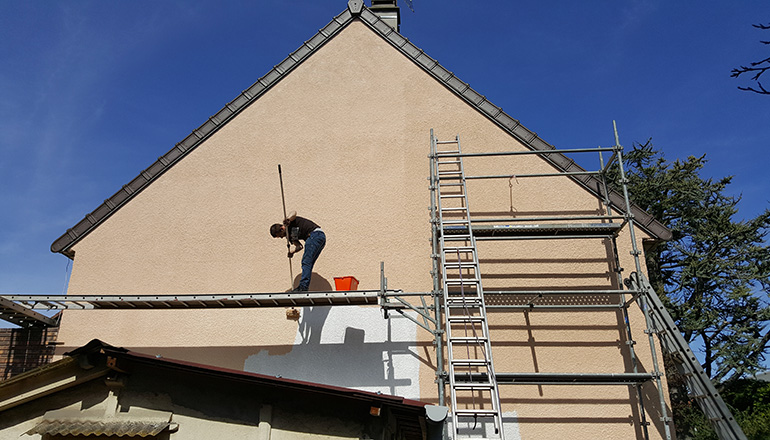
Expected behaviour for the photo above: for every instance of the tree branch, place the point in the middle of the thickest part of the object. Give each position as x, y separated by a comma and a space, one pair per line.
756, 67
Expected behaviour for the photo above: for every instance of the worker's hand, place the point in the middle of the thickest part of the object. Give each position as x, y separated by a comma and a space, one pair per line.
290, 254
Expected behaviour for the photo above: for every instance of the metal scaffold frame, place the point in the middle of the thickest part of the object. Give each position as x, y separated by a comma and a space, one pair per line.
28, 310
605, 226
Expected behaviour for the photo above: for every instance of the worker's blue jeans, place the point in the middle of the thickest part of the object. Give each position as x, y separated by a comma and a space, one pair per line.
313, 247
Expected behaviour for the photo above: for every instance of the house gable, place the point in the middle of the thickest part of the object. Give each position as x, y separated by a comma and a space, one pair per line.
355, 12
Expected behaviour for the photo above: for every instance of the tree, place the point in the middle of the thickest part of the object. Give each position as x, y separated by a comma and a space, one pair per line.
713, 275
749, 400
757, 68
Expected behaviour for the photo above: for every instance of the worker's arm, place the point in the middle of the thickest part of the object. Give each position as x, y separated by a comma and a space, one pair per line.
290, 218
297, 248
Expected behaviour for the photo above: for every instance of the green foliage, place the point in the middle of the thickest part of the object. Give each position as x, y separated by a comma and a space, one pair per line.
749, 401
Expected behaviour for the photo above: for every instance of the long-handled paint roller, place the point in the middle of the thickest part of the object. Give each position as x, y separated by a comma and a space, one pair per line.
288, 241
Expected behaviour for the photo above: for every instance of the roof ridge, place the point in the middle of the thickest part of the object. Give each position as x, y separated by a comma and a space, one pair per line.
355, 10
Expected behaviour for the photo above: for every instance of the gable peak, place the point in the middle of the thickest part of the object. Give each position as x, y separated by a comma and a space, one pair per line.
355, 6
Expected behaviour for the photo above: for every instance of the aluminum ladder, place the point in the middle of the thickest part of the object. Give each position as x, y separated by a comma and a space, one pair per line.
673, 343
473, 384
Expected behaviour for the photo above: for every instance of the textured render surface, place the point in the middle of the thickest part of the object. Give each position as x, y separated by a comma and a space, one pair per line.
350, 128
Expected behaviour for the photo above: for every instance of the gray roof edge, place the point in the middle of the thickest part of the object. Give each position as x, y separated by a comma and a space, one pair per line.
64, 243
509, 124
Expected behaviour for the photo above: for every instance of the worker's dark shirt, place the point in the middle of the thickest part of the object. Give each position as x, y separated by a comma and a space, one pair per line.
300, 228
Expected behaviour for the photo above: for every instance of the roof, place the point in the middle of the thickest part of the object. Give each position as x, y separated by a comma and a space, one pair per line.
96, 359
355, 11
97, 346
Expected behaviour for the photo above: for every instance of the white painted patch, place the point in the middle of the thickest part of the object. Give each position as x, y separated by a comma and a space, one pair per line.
352, 347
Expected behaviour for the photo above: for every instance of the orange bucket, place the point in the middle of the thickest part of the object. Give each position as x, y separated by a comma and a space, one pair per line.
345, 283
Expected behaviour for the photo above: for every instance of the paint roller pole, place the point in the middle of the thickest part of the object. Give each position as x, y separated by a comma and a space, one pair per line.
288, 242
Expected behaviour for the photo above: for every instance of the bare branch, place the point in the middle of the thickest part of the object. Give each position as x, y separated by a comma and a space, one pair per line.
761, 91
758, 68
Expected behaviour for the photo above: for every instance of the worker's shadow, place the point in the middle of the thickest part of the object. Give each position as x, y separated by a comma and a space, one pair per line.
312, 321
328, 339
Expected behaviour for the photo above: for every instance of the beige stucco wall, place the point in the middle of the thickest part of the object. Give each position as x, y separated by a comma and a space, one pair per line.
350, 127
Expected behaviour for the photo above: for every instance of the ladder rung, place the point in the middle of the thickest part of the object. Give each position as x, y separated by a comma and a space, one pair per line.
470, 362
458, 208
459, 248
468, 339
460, 264
451, 184
461, 282
475, 412
465, 319
446, 162
467, 303
452, 196
474, 387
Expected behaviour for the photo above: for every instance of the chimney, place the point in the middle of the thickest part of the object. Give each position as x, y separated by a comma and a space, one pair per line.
388, 12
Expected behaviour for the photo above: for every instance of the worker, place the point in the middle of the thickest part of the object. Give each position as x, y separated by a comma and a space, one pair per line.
300, 228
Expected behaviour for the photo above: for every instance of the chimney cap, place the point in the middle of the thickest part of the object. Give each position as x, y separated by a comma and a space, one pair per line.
355, 6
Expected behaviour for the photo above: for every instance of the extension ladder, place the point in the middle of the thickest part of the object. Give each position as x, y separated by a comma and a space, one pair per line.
673, 343
473, 385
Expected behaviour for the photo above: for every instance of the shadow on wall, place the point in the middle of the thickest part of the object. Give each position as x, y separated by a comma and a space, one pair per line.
348, 346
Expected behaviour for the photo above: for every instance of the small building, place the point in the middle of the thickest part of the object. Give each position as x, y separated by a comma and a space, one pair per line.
100, 391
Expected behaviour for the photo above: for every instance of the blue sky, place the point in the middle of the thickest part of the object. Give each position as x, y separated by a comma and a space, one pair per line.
92, 92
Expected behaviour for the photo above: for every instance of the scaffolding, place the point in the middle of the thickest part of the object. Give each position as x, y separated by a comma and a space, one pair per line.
455, 224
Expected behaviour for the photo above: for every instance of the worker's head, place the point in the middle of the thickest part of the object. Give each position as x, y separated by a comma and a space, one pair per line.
278, 231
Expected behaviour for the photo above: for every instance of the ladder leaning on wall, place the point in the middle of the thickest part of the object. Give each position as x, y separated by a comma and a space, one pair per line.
674, 344
472, 381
